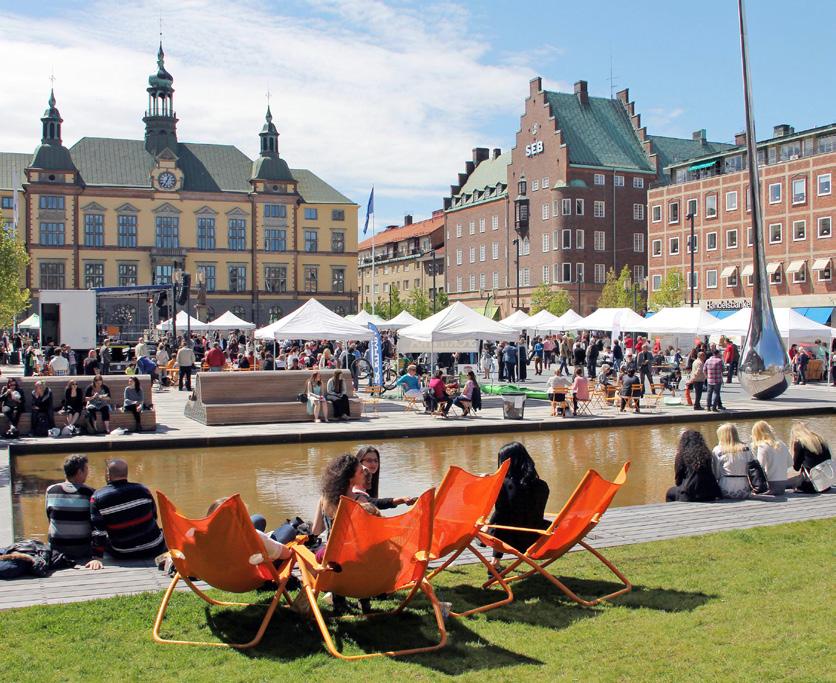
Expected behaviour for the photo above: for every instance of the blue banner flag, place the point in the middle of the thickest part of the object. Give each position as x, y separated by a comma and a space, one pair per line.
376, 355
369, 211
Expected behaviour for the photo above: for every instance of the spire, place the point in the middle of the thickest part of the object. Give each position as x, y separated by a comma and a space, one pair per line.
51, 154
160, 118
270, 166
269, 136
51, 121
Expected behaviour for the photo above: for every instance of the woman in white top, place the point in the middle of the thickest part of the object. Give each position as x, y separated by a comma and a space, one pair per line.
557, 386
773, 455
731, 456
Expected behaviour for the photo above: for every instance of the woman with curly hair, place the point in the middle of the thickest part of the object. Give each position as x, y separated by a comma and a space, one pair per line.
693, 471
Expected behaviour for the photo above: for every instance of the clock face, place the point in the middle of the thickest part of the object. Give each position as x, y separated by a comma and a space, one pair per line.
167, 180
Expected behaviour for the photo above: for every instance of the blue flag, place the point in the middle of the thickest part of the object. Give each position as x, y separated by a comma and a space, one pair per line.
369, 211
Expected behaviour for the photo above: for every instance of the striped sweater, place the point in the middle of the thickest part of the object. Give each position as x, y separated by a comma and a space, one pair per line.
68, 511
124, 520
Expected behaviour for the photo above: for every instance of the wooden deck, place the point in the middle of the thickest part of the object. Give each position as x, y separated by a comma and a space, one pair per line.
620, 526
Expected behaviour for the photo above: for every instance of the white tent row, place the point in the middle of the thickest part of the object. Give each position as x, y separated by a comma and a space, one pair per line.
312, 320
184, 321
546, 322
680, 320
33, 322
456, 328
792, 326
229, 321
518, 320
613, 320
401, 320
364, 317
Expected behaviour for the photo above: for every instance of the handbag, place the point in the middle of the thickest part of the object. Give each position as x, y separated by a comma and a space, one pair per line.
757, 477
302, 398
822, 476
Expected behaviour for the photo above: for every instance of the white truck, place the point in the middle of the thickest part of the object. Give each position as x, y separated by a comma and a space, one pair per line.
68, 316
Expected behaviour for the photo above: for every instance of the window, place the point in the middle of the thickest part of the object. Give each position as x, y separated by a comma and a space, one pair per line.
599, 179
693, 208
337, 214
711, 241
311, 241
481, 225
579, 207
638, 183
673, 244
579, 272
566, 207
310, 275
693, 280
566, 275
93, 275
535, 185
826, 143
731, 239
93, 230
749, 237
673, 212
482, 249
800, 276
826, 273
566, 239
656, 213
579, 235
275, 211
495, 250
799, 230
638, 212
275, 278
472, 254
777, 277
167, 232
774, 193
544, 211
237, 234
546, 274
337, 241
237, 278
525, 247
599, 240
127, 274
600, 273
775, 230
495, 280
311, 214
338, 280
711, 206
598, 209
711, 279
495, 222
619, 181
471, 281
823, 184
824, 227
546, 245
52, 234
731, 280
458, 257
731, 200
275, 239
46, 201
52, 274
638, 242
799, 190
733, 163
458, 283
691, 244
472, 228
458, 229
482, 281
6, 203
544, 183
656, 283
163, 274
206, 232
209, 278
656, 247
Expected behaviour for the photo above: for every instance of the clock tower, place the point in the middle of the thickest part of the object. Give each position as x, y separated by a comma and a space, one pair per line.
160, 119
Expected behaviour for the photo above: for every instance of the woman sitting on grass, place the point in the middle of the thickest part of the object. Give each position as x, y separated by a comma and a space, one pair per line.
731, 460
693, 471
808, 450
369, 458
773, 455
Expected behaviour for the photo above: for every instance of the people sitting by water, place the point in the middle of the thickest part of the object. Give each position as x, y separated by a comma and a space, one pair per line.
693, 469
317, 404
336, 393
521, 501
124, 517
464, 400
276, 552
731, 460
630, 389
808, 450
773, 456
68, 511
13, 403
369, 458
42, 411
557, 386
580, 389
134, 401
410, 383
97, 402
436, 394
73, 405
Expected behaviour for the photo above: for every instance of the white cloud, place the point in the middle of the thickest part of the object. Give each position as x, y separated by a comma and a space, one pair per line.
661, 121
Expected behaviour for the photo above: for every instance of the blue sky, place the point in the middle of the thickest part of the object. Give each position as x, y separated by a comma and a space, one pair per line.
397, 93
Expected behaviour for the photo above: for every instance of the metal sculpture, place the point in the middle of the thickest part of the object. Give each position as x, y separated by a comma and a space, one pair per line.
764, 367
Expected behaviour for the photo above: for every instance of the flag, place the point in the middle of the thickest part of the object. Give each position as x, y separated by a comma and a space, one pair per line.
369, 211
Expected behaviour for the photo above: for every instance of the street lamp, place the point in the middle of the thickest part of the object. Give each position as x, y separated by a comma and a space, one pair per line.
579, 280
691, 245
432, 266
517, 245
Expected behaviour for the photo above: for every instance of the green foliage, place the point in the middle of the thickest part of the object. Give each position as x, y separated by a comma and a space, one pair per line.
395, 304
442, 301
555, 301
418, 304
14, 299
617, 292
670, 294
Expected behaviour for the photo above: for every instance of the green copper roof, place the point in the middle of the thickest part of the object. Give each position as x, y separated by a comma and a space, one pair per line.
314, 190
271, 168
52, 157
676, 150
598, 133
11, 164
489, 173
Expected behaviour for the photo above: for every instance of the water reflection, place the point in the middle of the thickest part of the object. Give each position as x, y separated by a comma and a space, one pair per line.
282, 481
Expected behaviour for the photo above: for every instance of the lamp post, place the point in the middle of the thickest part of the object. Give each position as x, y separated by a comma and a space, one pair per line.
432, 266
579, 280
517, 245
691, 248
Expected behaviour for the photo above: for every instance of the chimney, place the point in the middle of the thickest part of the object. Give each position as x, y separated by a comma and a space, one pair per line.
407, 220
782, 130
699, 136
580, 92
480, 154
740, 138
496, 152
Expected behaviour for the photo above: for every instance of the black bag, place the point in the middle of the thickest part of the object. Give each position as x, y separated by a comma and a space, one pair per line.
757, 477
302, 398
288, 531
40, 424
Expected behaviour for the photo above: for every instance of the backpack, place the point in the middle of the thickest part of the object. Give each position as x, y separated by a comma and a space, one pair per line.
757, 477
40, 424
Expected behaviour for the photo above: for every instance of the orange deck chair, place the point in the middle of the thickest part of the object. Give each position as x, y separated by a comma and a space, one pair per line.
368, 556
462, 506
578, 517
223, 550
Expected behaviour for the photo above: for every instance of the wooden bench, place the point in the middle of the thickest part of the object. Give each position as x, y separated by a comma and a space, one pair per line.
116, 384
263, 397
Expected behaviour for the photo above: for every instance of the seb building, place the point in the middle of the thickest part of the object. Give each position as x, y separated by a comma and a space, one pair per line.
570, 196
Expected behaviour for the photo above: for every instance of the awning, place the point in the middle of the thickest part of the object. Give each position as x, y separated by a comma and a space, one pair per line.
795, 267
773, 267
821, 314
748, 270
728, 271
723, 312
704, 164
821, 264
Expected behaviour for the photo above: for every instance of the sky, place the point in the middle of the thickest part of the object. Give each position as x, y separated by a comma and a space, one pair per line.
396, 94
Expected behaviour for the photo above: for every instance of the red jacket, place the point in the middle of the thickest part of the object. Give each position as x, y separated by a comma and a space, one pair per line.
729, 353
215, 358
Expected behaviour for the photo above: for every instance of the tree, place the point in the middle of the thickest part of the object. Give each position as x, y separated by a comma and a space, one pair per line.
671, 293
13, 261
441, 300
418, 304
556, 302
395, 304
617, 291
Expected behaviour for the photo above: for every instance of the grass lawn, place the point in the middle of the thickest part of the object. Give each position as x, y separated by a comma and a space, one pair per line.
744, 605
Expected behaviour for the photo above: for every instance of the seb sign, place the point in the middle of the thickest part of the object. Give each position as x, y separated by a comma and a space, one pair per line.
534, 148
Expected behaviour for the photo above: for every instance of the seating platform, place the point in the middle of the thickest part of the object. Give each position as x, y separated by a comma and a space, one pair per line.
234, 398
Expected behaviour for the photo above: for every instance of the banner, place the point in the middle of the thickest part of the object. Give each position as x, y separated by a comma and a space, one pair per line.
376, 355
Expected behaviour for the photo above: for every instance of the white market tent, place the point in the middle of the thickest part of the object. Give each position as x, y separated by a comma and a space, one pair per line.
517, 321
793, 326
401, 320
364, 317
456, 328
544, 321
184, 321
230, 321
33, 322
614, 320
680, 320
568, 318
312, 320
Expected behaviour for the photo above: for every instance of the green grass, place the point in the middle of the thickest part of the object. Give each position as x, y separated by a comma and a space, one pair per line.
744, 605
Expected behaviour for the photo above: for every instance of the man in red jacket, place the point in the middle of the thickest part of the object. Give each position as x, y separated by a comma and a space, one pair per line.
215, 358
730, 355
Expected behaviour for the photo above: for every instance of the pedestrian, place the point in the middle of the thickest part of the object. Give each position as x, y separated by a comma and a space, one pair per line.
713, 370
185, 363
105, 356
697, 380
645, 363
730, 356
509, 361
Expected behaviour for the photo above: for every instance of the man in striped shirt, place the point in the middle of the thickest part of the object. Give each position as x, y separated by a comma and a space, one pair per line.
124, 517
68, 511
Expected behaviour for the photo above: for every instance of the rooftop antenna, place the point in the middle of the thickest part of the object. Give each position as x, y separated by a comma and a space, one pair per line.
612, 80
268, 96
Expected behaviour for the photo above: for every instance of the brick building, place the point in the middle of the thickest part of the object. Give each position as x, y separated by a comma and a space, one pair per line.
797, 170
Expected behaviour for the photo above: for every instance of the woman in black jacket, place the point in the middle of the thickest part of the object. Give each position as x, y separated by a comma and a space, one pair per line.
808, 450
73, 403
521, 501
693, 474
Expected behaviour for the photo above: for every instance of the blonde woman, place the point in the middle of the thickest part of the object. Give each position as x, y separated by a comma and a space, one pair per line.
731, 456
317, 405
808, 450
325, 359
773, 455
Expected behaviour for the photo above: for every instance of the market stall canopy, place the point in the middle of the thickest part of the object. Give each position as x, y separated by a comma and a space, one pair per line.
364, 317
792, 326
33, 322
518, 320
680, 320
312, 320
401, 320
184, 321
230, 321
568, 318
615, 320
456, 328
544, 321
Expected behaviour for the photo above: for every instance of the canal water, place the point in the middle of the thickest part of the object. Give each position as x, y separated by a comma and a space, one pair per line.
281, 481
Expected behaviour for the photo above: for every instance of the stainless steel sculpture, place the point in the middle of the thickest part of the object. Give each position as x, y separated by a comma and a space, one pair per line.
764, 367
